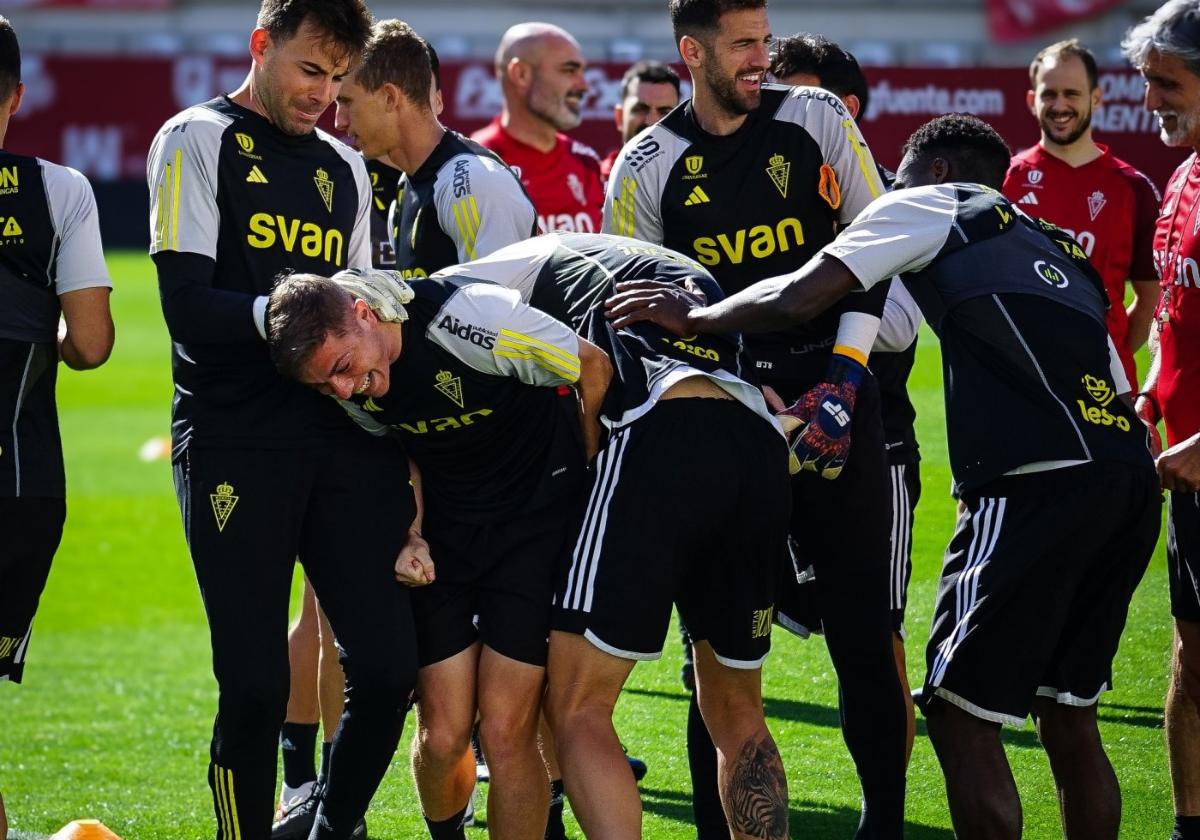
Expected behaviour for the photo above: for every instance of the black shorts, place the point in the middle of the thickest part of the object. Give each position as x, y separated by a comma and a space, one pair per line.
689, 504
1036, 587
493, 583
1183, 555
32, 528
906, 492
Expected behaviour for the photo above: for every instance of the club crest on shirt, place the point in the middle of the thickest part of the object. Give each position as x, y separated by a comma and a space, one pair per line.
325, 188
779, 171
1096, 202
576, 187
451, 386
223, 503
1033, 177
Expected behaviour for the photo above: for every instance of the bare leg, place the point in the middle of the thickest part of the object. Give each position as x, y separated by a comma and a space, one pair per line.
584, 684
443, 765
902, 671
3, 819
749, 770
331, 681
1183, 718
303, 654
510, 694
984, 804
1089, 797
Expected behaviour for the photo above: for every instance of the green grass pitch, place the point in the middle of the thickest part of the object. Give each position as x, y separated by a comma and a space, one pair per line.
115, 714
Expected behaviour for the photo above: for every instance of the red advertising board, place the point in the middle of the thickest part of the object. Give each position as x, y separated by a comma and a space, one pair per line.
107, 134
1015, 20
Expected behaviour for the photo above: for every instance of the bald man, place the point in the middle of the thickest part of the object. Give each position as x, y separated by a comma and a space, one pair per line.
541, 71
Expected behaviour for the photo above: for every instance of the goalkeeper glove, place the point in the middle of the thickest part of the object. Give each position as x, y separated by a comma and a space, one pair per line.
822, 419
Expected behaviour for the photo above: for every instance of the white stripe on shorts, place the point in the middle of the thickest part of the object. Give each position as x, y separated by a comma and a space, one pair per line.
901, 533
986, 523
581, 579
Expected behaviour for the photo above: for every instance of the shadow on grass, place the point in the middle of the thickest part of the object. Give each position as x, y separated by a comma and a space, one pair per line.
806, 819
817, 714
1149, 717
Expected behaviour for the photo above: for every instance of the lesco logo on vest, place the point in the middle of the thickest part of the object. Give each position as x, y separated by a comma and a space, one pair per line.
468, 332
1051, 274
761, 241
309, 238
1100, 391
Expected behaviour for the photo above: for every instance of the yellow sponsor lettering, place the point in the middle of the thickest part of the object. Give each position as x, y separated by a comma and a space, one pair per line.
267, 229
694, 349
414, 273
11, 228
764, 241
8, 178
761, 623
1102, 417
442, 424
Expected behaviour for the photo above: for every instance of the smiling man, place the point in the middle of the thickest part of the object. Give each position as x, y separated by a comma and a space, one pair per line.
488, 396
458, 201
243, 187
540, 68
1108, 206
750, 180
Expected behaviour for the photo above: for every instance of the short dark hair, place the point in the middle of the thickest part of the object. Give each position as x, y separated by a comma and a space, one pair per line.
10, 59
700, 18
977, 153
435, 65
345, 24
1063, 50
818, 56
303, 310
397, 54
652, 72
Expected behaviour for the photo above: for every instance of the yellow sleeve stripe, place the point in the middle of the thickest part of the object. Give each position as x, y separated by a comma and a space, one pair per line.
466, 218
167, 194
566, 374
521, 338
860, 151
623, 208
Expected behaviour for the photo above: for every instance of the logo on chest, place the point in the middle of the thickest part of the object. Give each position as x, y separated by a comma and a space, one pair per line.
325, 188
1096, 202
779, 171
576, 187
451, 386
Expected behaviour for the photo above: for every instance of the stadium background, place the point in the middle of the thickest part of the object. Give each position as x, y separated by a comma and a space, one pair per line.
113, 721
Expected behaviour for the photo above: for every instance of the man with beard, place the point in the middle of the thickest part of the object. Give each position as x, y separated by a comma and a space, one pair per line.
241, 188
540, 68
1166, 48
1069, 179
750, 180
649, 91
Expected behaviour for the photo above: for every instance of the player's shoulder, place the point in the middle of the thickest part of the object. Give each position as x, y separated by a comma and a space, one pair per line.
61, 178
198, 126
347, 154
490, 136
581, 152
803, 105
658, 146
1137, 180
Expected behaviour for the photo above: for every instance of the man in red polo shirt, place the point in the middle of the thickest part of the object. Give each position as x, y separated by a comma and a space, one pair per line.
1163, 47
540, 68
1078, 184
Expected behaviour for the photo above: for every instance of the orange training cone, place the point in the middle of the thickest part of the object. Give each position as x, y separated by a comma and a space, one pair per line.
85, 830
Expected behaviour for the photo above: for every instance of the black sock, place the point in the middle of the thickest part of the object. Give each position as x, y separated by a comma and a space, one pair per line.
1186, 828
554, 824
326, 746
297, 741
451, 829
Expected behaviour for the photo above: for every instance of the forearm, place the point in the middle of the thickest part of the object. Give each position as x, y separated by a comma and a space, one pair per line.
414, 479
779, 302
1140, 315
197, 313
595, 374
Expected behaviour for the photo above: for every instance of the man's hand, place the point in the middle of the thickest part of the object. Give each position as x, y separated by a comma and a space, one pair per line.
660, 303
1147, 412
414, 567
822, 419
1179, 466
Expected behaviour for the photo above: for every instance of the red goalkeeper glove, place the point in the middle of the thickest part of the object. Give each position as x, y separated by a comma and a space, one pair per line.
822, 419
